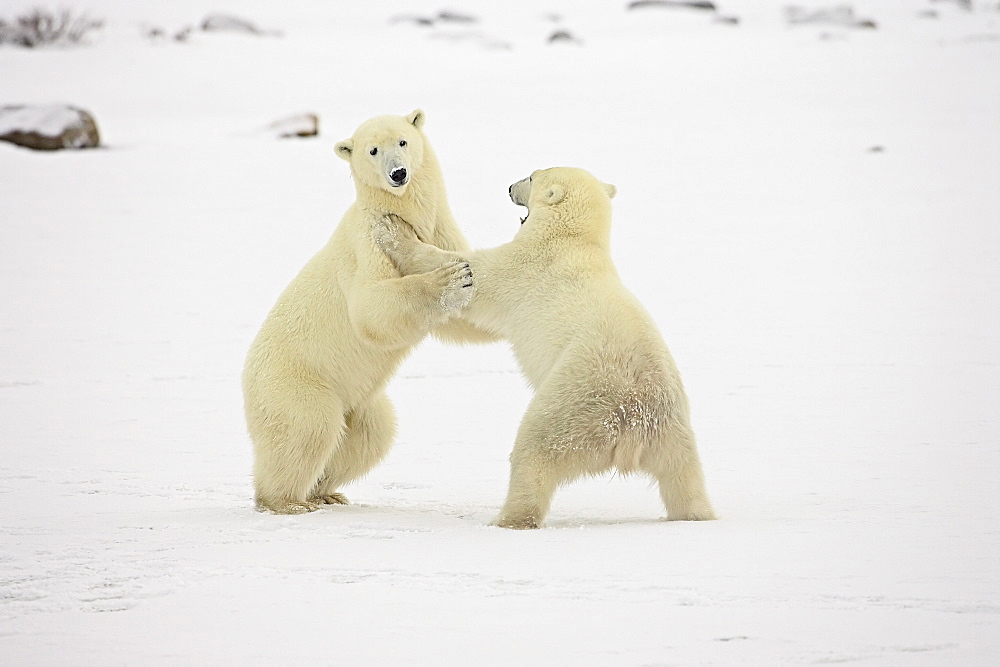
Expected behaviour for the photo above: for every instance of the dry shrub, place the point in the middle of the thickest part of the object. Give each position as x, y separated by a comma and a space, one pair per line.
42, 27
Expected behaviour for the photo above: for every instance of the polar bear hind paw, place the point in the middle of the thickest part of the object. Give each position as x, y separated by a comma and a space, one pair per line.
516, 523
701, 511
708, 515
287, 507
332, 498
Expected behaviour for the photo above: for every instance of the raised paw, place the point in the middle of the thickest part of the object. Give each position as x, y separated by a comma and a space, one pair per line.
456, 285
385, 233
332, 498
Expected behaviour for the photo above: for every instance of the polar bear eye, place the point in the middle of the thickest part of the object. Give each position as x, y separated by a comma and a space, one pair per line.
402, 143
373, 151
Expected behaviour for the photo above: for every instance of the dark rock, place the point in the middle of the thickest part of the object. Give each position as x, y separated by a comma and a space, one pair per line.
703, 5
428, 21
455, 17
563, 37
48, 128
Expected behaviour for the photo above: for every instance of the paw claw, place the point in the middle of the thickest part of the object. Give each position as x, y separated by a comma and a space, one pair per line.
457, 283
332, 498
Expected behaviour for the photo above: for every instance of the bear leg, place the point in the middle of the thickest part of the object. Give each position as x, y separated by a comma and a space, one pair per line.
290, 452
677, 468
369, 433
535, 469
529, 495
561, 438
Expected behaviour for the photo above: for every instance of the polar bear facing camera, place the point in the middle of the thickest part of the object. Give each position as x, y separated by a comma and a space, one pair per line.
607, 392
315, 375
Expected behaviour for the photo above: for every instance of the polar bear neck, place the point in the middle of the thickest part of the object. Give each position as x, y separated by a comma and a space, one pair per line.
587, 221
421, 205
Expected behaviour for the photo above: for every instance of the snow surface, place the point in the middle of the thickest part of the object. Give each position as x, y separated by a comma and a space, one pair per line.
810, 214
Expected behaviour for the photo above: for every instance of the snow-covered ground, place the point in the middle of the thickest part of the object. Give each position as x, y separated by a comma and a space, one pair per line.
811, 214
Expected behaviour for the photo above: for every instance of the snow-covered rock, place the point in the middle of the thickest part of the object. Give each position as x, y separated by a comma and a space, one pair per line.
673, 4
48, 127
563, 37
231, 23
840, 15
299, 125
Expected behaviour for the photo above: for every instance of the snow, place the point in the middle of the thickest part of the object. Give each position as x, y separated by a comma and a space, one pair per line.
808, 212
48, 120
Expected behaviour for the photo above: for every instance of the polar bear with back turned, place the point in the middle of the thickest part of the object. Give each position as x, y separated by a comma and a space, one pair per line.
607, 392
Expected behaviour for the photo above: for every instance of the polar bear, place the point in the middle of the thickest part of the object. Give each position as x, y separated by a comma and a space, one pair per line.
314, 378
607, 392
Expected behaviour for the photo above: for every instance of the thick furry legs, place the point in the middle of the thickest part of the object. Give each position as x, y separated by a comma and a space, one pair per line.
677, 468
552, 449
370, 431
532, 485
301, 460
535, 469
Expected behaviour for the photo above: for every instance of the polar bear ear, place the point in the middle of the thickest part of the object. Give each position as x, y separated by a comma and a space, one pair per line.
555, 194
345, 148
610, 189
416, 118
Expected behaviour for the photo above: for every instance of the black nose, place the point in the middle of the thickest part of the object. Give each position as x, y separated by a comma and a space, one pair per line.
510, 189
398, 175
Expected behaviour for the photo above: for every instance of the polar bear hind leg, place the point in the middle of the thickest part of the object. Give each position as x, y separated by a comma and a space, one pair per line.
533, 481
369, 433
292, 450
672, 459
554, 446
572, 429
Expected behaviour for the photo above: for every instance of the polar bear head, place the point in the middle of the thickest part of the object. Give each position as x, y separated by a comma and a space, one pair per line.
386, 151
565, 194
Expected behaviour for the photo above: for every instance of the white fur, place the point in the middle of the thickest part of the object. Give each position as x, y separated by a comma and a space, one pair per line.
607, 392
315, 375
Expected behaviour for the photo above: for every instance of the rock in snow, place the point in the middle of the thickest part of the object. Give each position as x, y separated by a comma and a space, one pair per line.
300, 125
231, 23
681, 4
48, 127
841, 15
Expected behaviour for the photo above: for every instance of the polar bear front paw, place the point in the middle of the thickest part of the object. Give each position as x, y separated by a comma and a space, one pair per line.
385, 233
455, 281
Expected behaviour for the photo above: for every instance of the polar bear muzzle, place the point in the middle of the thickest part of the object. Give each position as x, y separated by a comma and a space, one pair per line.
398, 177
520, 191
